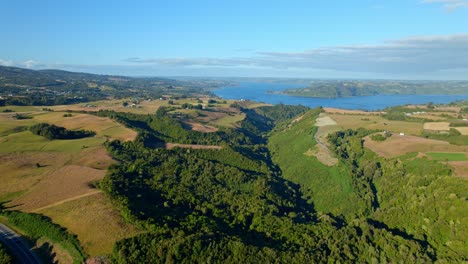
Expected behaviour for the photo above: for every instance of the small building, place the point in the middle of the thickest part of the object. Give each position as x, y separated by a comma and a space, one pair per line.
402, 134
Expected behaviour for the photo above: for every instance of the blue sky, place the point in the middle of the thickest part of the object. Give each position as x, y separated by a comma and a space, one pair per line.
404, 39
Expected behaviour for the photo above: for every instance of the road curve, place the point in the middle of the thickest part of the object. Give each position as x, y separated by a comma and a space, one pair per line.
17, 247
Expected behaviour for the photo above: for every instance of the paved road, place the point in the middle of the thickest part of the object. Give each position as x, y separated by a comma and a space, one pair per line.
19, 249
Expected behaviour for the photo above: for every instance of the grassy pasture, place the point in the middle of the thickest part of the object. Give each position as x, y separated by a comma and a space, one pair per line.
290, 149
228, 120
95, 222
441, 156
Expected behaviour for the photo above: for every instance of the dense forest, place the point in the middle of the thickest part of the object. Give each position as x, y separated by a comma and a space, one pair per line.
349, 88
50, 132
256, 200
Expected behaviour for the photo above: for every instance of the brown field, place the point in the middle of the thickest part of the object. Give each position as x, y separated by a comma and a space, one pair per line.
460, 168
20, 173
377, 122
64, 183
201, 128
174, 145
93, 219
398, 145
349, 112
462, 130
437, 126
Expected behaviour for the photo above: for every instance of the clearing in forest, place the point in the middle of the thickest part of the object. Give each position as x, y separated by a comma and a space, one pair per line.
191, 146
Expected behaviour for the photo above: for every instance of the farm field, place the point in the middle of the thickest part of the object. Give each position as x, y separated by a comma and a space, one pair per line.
437, 126
377, 122
397, 145
448, 156
42, 176
462, 130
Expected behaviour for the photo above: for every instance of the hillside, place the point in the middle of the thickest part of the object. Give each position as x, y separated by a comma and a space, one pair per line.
239, 182
55, 87
349, 88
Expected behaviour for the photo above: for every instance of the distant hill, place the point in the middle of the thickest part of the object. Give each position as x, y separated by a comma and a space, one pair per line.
340, 88
20, 86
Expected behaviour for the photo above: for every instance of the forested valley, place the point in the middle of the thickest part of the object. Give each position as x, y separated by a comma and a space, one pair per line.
259, 199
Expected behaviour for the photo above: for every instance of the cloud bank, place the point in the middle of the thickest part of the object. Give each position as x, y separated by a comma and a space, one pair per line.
413, 55
418, 57
449, 5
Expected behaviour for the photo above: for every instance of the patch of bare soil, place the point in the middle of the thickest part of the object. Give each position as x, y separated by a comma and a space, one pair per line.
201, 128
460, 168
324, 120
321, 151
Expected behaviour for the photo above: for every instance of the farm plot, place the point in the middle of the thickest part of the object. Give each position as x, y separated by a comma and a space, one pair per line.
377, 122
437, 126
462, 130
397, 145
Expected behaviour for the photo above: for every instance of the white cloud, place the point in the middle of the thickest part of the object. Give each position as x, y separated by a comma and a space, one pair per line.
6, 63
31, 64
412, 55
449, 5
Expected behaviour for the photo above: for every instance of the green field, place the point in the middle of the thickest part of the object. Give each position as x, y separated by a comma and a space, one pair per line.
440, 156
288, 149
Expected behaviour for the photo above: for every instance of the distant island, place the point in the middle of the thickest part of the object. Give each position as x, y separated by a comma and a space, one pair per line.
341, 88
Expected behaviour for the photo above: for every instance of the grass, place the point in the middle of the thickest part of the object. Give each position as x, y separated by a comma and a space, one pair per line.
441, 156
95, 222
38, 173
288, 149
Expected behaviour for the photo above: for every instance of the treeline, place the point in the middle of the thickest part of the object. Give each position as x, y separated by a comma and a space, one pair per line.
36, 226
50, 132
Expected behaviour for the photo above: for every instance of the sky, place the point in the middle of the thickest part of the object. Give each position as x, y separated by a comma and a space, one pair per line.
372, 39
